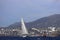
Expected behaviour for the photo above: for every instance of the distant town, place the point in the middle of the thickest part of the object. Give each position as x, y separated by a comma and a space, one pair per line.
23, 31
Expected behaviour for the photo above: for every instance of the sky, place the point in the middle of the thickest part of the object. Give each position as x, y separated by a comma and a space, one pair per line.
12, 11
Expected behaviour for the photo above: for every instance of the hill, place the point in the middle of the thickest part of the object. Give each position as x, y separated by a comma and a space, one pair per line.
53, 21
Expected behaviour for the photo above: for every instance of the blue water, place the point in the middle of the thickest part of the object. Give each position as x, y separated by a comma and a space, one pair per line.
30, 38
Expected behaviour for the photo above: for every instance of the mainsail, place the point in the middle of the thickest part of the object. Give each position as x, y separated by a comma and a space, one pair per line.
24, 29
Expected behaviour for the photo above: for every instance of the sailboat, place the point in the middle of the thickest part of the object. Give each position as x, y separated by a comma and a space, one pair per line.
24, 29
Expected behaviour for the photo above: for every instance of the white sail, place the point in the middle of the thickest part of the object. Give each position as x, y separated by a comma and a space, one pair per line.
24, 29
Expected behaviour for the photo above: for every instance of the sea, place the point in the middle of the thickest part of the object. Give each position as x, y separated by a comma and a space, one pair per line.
28, 38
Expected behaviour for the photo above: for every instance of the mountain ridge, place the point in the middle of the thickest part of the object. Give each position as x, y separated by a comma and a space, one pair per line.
49, 21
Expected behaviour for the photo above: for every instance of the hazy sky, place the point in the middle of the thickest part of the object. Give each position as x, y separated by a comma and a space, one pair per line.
11, 11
